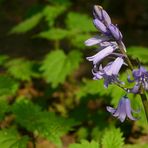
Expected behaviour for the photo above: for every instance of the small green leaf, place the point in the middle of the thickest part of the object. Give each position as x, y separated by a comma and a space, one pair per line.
56, 66
112, 138
27, 24
8, 86
52, 12
9, 138
79, 22
53, 34
138, 52
85, 144
22, 69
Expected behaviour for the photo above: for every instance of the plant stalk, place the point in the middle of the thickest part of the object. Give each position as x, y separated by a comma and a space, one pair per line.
142, 92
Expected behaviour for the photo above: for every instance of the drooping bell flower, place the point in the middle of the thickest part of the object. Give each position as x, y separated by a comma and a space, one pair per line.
123, 110
140, 78
110, 72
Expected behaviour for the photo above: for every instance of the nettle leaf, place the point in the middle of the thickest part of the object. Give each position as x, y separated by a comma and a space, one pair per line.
85, 144
45, 124
52, 12
53, 34
139, 52
9, 138
92, 87
27, 24
79, 22
4, 107
8, 86
112, 138
57, 65
22, 69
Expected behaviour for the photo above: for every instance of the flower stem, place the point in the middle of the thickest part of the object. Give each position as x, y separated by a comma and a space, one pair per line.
142, 92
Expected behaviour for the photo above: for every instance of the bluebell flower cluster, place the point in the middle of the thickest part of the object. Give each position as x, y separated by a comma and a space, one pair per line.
110, 46
108, 43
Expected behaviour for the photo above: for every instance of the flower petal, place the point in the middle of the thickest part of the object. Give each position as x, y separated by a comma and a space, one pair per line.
99, 25
128, 109
100, 55
95, 40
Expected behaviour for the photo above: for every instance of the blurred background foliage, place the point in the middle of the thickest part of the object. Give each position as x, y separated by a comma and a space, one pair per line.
47, 96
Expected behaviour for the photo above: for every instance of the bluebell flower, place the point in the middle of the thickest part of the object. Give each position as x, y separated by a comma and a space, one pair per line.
140, 78
123, 110
108, 42
110, 72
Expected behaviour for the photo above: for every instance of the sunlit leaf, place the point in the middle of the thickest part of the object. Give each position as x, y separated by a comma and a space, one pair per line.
79, 22
9, 138
112, 138
57, 65
22, 69
52, 12
27, 24
53, 34
85, 144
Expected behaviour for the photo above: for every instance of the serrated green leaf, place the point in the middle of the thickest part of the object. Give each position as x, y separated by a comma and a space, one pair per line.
52, 12
57, 65
112, 138
44, 123
21, 69
8, 86
138, 52
9, 138
27, 24
53, 34
85, 144
79, 22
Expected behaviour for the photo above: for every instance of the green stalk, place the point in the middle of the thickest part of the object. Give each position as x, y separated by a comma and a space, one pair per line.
142, 92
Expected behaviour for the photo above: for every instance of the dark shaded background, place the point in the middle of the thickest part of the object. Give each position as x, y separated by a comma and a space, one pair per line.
130, 15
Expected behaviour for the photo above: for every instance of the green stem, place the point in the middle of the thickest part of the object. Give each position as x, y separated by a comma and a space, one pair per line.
142, 92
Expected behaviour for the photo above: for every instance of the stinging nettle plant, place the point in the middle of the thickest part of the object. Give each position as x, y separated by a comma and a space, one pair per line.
112, 49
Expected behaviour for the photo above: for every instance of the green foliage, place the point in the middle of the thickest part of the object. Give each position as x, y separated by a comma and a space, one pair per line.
22, 69
79, 22
91, 87
52, 12
112, 138
140, 53
53, 34
4, 107
8, 86
85, 144
57, 65
61, 2
28, 24
9, 138
136, 146
46, 124
3, 59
